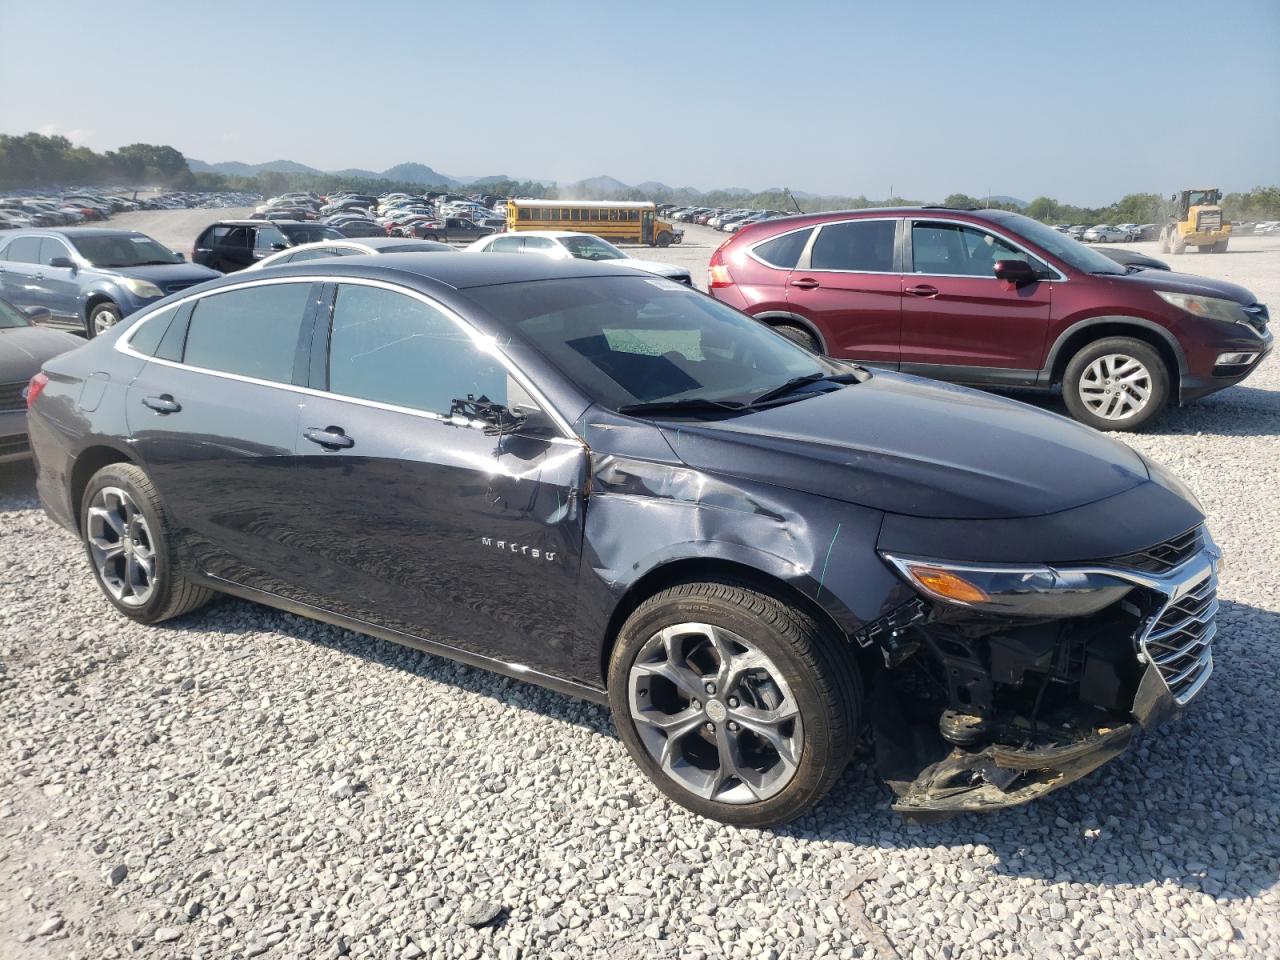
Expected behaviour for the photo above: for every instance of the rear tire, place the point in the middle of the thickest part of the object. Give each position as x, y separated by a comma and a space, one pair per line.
799, 335
664, 239
1117, 383
1219, 247
129, 539
710, 664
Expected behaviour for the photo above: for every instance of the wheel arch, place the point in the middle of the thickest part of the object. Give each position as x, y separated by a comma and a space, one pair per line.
714, 570
88, 462
776, 317
1079, 335
92, 299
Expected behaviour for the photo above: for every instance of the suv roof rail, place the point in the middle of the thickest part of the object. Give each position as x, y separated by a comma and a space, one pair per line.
943, 206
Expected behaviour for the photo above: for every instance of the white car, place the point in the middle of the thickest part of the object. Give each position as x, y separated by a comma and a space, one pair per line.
1105, 233
567, 245
350, 248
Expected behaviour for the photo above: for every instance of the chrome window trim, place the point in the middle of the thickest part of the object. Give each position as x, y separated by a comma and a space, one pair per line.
751, 250
483, 342
806, 255
1061, 277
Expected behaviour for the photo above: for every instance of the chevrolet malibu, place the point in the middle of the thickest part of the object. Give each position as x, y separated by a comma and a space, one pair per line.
622, 489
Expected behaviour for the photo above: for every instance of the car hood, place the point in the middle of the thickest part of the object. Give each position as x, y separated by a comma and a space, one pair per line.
917, 447
1189, 283
163, 274
648, 266
24, 349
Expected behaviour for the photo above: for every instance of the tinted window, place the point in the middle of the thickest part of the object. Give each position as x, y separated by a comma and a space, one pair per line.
391, 348
23, 250
951, 249
236, 237
151, 332
267, 236
252, 332
783, 251
865, 245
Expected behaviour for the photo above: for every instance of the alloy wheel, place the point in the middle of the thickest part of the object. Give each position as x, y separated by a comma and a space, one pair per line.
1115, 386
104, 320
715, 713
122, 548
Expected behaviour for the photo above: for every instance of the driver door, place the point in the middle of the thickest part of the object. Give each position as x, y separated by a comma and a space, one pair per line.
425, 523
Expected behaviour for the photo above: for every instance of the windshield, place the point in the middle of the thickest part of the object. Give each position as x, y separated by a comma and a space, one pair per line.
629, 340
1065, 248
592, 248
11, 317
123, 250
1197, 198
311, 234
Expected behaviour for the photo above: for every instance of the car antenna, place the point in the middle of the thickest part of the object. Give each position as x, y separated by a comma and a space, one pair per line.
793, 199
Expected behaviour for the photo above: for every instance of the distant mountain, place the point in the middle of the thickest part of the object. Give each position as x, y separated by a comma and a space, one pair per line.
237, 169
416, 173
1011, 201
595, 186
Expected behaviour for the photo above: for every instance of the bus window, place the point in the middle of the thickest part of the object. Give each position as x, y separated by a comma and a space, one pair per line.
524, 213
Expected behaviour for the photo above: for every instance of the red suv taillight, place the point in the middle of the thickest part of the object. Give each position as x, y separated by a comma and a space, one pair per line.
34, 388
717, 271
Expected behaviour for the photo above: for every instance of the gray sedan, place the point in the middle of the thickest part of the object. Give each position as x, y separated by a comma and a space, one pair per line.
23, 348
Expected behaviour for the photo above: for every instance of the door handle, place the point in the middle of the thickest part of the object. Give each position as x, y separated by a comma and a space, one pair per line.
162, 404
807, 283
922, 290
331, 438
39, 276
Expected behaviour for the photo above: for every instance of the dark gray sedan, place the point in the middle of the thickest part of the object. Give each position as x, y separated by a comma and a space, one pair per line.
23, 348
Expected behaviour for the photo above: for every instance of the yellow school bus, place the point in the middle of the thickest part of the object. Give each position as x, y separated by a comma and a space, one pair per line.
622, 221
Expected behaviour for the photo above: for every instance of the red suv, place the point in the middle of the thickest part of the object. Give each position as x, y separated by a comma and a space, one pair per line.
991, 298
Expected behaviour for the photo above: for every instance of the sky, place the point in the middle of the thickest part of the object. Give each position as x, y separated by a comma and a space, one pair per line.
1083, 101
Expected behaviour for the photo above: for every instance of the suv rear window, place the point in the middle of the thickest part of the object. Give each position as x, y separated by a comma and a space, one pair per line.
784, 251
861, 245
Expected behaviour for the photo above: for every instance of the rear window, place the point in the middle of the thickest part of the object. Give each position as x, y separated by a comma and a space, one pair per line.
252, 332
865, 246
784, 251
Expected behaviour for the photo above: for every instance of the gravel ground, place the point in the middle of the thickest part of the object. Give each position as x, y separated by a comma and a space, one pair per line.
243, 782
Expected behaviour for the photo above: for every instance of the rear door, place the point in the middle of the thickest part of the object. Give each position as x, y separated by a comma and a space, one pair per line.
848, 285
21, 276
234, 249
214, 418
419, 518
961, 323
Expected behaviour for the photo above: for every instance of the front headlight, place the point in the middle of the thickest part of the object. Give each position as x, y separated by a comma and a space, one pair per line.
1011, 591
143, 289
1213, 307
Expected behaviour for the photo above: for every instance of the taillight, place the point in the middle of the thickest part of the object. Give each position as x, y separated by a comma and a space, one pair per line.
34, 388
717, 271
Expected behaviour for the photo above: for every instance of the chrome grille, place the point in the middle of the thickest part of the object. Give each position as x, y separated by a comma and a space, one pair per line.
180, 285
1163, 557
1180, 639
11, 395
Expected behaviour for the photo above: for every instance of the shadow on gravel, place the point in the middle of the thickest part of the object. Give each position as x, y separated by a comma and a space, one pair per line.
1194, 802
17, 486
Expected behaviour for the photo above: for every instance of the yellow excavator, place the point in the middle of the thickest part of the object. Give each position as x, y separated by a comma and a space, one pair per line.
1196, 222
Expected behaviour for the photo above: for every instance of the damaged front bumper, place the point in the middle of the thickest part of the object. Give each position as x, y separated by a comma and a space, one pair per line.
1012, 751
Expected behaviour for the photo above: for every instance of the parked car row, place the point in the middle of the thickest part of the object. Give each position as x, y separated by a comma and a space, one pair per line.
721, 218
433, 216
72, 207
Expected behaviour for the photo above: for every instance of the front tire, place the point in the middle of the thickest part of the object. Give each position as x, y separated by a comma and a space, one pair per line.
102, 318
129, 540
799, 335
738, 707
664, 239
1177, 244
1116, 384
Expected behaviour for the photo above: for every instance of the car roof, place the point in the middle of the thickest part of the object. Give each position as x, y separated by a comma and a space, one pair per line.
74, 232
460, 273
246, 222
555, 234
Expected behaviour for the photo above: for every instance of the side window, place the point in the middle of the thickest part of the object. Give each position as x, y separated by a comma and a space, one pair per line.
51, 248
267, 237
147, 337
252, 332
951, 249
784, 251
214, 236
23, 250
392, 348
861, 245
538, 243
236, 237
506, 245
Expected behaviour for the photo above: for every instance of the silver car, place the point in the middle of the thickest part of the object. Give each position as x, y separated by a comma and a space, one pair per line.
1105, 233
